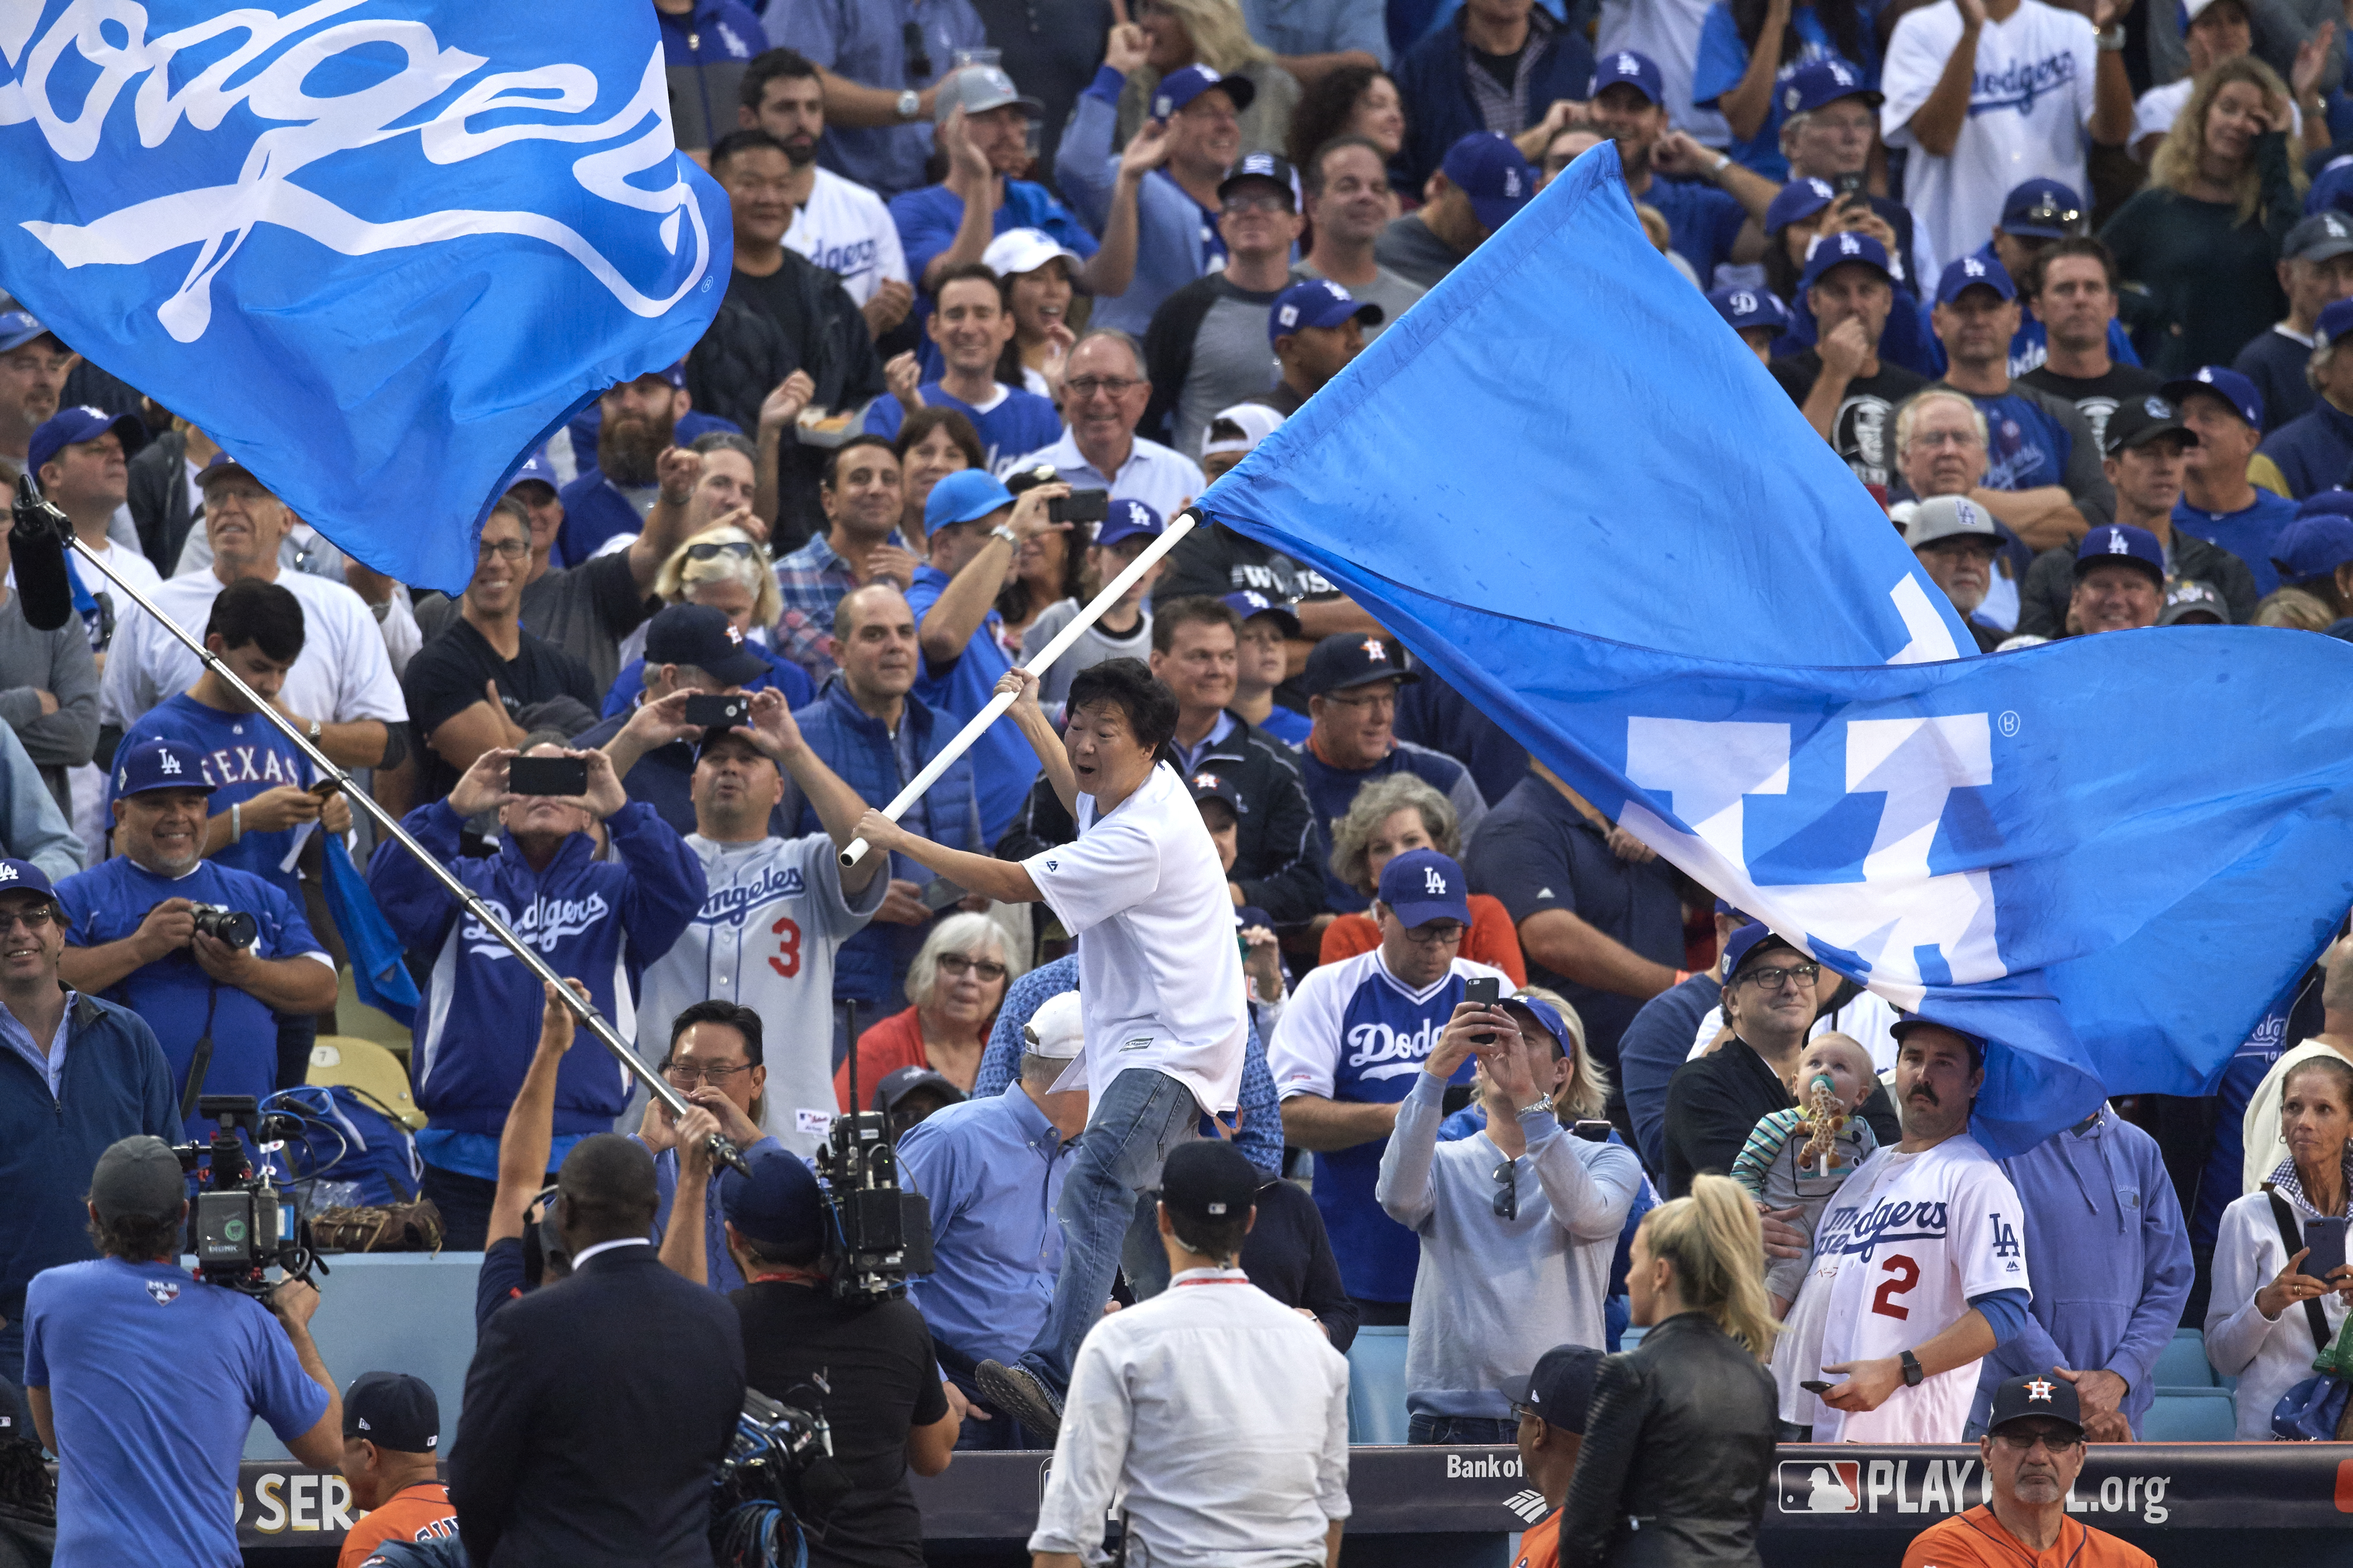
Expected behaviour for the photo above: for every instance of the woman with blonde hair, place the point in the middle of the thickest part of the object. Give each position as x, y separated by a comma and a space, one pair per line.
1518, 1221
727, 569
1389, 816
2203, 239
1180, 33
955, 986
1681, 1430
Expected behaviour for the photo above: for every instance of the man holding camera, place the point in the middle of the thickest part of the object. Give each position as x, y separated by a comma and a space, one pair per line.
602, 920
865, 1366
144, 1381
205, 952
76, 1075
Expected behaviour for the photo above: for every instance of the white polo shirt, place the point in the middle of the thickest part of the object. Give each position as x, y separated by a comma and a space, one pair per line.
1160, 477
1160, 975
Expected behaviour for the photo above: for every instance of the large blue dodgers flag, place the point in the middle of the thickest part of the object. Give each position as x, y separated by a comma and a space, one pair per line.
376, 249
1567, 487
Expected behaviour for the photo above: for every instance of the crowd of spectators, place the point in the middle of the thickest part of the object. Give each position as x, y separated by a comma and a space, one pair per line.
2064, 285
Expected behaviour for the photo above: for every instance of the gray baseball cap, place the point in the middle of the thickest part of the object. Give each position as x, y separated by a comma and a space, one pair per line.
1942, 517
2320, 236
980, 89
139, 1175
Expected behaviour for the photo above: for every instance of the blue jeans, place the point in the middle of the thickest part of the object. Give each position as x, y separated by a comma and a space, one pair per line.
1107, 1211
1460, 1429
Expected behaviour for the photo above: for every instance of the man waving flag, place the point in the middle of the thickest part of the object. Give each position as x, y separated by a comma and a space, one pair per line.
376, 249
2104, 855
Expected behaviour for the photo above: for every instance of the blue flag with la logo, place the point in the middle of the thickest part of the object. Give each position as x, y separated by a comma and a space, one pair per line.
379, 249
1564, 484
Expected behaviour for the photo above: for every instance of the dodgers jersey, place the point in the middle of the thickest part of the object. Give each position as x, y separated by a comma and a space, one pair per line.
765, 937
1353, 1031
1903, 1247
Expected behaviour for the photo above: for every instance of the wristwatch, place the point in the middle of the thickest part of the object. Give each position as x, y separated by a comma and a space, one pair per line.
2112, 41
1913, 1372
909, 101
316, 729
1004, 531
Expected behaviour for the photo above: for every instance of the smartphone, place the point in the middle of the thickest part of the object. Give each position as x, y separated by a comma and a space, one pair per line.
1847, 184
1483, 991
548, 776
1813, 1387
939, 893
1079, 506
717, 711
2326, 1237
1593, 1132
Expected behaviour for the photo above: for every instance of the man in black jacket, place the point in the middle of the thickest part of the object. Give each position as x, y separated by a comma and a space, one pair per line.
1713, 1104
597, 1409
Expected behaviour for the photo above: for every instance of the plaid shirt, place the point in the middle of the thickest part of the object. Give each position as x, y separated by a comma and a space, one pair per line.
812, 580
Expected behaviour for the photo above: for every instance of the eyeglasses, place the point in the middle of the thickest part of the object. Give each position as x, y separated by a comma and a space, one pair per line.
505, 548
1775, 979
1933, 439
2048, 213
1507, 1196
1371, 699
686, 1075
1112, 385
1522, 1411
919, 58
713, 552
1235, 206
2023, 1442
35, 919
956, 964
1437, 933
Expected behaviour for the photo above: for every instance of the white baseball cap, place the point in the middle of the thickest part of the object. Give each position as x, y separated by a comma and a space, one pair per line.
1256, 420
1054, 1030
1024, 250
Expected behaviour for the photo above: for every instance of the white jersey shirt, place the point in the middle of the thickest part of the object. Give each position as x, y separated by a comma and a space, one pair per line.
343, 676
765, 938
1160, 975
845, 228
1902, 1247
2029, 102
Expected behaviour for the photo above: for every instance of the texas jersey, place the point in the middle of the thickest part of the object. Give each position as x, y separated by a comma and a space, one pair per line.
1353, 1032
765, 937
1900, 1250
243, 755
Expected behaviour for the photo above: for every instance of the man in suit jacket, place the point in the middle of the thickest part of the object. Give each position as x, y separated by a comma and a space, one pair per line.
597, 1409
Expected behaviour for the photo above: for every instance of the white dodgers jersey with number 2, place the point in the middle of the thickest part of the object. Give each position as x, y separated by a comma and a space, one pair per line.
1900, 1250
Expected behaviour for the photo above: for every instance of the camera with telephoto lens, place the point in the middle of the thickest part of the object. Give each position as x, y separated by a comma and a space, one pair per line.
242, 1225
222, 923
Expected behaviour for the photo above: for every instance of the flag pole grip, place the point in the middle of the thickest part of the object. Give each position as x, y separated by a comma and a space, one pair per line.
1178, 527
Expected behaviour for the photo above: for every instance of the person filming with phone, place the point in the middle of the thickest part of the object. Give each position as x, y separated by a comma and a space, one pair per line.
1517, 1224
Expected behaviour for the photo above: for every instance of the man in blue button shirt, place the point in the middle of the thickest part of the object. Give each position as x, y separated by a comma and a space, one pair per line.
993, 1168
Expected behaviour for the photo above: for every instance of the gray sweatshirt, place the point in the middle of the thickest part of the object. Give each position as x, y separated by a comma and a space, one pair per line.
57, 662
1494, 1294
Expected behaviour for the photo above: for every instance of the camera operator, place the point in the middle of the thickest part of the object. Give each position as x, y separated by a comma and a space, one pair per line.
866, 1367
144, 1381
76, 1075
143, 929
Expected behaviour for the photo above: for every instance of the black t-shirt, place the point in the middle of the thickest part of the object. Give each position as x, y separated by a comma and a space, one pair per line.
446, 676
2097, 397
877, 1361
1865, 426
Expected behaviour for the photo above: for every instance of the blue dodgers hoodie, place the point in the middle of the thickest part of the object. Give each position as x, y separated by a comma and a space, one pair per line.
599, 922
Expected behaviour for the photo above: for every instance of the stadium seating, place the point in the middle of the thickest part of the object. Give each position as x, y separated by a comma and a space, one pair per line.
369, 1068
2191, 1415
2183, 1363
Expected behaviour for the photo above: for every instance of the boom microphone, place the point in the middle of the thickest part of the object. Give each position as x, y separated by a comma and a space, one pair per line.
37, 547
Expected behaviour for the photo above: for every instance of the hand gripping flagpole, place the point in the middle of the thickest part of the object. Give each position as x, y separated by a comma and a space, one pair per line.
1178, 527
32, 514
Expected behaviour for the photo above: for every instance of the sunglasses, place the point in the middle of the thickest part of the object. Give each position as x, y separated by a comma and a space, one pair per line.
741, 547
919, 58
1507, 1193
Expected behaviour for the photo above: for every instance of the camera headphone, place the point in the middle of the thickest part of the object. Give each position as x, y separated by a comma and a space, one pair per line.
543, 1239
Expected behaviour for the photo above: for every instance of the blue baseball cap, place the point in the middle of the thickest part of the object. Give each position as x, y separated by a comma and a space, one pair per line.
1819, 82
1974, 273
1249, 602
2331, 192
158, 764
1639, 71
2044, 209
2336, 322
778, 1206
1179, 88
965, 496
1317, 303
1486, 167
1837, 250
18, 328
1266, 166
1742, 308
1126, 520
73, 427
1345, 660
225, 466
2312, 546
23, 875
2119, 544
1797, 199
2219, 381
1569, 1036
1423, 885
1739, 916
2336, 500
1747, 940
535, 471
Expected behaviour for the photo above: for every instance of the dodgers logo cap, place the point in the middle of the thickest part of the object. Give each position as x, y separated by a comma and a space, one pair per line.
1636, 71
2313, 547
18, 328
2221, 381
1266, 167
23, 875
535, 471
1819, 83
1742, 308
1943, 517
1316, 302
226, 466
1747, 942
2136, 424
1797, 199
2121, 543
1249, 602
2188, 602
1486, 167
976, 89
2043, 209
1128, 520
1975, 272
158, 764
73, 427
1841, 249
1424, 885
1179, 88
2320, 237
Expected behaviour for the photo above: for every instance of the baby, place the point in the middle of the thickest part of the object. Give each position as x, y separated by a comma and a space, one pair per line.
1801, 1156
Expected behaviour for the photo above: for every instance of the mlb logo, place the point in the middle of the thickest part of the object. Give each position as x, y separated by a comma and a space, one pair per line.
1291, 315
1821, 1486
165, 1291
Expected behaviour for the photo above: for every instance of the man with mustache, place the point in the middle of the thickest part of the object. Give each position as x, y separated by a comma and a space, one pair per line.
1918, 1271
2034, 1450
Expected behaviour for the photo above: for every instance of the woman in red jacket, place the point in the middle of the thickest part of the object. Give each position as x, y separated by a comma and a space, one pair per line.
1389, 816
955, 983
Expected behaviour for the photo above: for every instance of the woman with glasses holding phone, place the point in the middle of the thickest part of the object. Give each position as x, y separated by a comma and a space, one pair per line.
1518, 1223
955, 988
